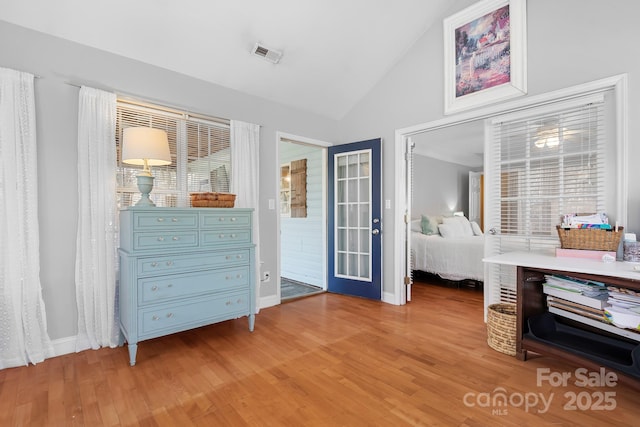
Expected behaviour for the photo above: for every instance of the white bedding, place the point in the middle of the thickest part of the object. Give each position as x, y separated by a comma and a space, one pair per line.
450, 258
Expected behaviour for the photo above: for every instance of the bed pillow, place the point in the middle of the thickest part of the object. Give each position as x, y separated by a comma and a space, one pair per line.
461, 223
428, 225
416, 225
476, 229
448, 231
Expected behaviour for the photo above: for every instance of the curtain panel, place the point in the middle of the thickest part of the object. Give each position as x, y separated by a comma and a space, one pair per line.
245, 173
97, 233
23, 322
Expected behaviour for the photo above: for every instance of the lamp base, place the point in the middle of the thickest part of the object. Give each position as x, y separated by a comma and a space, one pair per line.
145, 185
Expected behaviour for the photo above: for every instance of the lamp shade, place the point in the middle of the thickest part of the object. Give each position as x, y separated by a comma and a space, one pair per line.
142, 145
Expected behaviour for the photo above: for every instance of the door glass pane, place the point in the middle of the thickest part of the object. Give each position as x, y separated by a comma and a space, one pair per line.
352, 210
364, 241
353, 166
353, 265
364, 215
352, 190
342, 191
364, 189
364, 164
342, 240
342, 264
353, 215
364, 265
342, 167
341, 220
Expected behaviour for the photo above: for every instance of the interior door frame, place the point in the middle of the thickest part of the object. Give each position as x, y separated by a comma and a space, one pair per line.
286, 137
402, 214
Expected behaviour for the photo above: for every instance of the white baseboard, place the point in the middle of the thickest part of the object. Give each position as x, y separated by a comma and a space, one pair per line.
390, 298
269, 301
62, 346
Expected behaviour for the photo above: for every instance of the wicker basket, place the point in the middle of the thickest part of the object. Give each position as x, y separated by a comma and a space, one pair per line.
212, 200
594, 239
501, 328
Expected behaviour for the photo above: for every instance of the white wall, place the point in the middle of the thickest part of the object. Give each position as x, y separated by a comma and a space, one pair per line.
58, 61
569, 42
302, 249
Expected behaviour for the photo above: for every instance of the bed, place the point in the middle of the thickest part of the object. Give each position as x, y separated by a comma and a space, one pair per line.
453, 257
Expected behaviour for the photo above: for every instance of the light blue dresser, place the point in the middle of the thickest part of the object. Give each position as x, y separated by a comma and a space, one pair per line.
181, 268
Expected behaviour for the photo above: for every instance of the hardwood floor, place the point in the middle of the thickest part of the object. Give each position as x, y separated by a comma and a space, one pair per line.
326, 360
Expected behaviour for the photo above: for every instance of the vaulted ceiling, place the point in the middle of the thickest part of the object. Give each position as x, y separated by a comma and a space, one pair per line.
334, 51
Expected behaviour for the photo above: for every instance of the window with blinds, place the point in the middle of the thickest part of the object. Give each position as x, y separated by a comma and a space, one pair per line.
551, 164
200, 155
542, 163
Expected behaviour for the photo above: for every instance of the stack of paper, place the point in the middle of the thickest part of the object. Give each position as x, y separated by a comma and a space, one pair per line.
584, 297
624, 311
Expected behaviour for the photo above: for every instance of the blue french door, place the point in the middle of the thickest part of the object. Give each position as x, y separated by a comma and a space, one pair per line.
354, 258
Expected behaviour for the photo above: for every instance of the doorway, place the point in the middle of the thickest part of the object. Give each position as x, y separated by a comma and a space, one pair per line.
402, 245
301, 209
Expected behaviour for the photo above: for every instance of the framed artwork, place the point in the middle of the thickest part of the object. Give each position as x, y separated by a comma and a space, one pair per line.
485, 58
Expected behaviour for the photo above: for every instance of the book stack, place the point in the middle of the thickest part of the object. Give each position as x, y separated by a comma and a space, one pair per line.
570, 295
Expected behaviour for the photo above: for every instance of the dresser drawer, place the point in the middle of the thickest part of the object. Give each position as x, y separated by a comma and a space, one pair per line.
169, 264
165, 240
222, 218
172, 318
162, 288
225, 236
161, 220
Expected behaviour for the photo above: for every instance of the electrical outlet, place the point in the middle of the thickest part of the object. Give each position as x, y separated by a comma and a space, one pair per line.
266, 276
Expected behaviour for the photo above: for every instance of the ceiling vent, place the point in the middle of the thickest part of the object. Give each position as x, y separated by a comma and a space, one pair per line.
266, 53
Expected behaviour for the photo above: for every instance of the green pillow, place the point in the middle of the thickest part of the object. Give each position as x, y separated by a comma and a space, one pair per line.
428, 225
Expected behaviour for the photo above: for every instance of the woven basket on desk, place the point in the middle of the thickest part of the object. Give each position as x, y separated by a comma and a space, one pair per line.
213, 200
501, 328
593, 239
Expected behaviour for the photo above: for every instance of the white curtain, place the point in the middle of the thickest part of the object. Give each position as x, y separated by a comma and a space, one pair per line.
245, 172
96, 240
23, 321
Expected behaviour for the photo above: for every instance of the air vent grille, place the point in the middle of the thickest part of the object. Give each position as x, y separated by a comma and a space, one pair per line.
266, 53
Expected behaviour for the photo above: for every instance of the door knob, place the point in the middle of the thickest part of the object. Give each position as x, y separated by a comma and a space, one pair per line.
375, 231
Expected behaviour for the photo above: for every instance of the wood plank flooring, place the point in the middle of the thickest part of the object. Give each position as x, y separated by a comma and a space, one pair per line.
326, 360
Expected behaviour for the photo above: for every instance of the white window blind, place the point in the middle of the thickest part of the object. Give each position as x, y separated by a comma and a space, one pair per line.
200, 155
543, 163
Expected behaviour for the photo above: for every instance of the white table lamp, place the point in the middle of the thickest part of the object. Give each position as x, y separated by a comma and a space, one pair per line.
147, 147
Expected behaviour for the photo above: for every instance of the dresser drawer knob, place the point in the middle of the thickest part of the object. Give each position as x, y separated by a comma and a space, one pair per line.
174, 219
239, 256
238, 276
227, 278
227, 257
170, 285
221, 236
176, 238
239, 301
160, 219
154, 288
169, 263
228, 303
160, 239
169, 315
155, 317
221, 218
233, 236
154, 264
233, 219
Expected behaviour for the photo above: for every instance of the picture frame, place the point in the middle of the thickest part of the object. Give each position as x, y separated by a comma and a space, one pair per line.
485, 54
